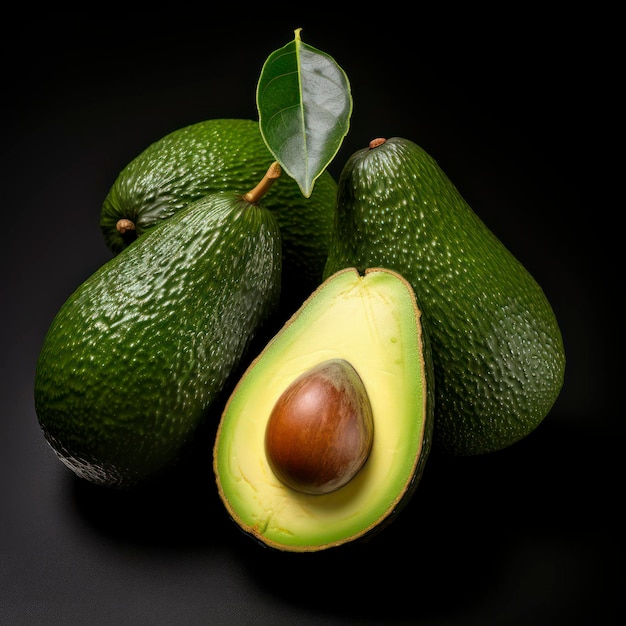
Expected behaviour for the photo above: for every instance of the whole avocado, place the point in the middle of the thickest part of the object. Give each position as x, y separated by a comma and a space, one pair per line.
141, 350
222, 155
497, 348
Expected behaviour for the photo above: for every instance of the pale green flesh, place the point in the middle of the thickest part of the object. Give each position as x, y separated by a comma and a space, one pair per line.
389, 360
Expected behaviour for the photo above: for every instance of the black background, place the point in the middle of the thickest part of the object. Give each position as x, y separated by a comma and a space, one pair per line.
519, 111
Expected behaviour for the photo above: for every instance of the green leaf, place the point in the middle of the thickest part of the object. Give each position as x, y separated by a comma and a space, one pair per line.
304, 104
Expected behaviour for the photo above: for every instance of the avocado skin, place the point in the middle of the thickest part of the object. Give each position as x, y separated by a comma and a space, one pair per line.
223, 155
138, 353
497, 349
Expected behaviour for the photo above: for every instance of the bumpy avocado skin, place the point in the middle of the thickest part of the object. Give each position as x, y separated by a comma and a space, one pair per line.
373, 322
139, 352
497, 348
223, 155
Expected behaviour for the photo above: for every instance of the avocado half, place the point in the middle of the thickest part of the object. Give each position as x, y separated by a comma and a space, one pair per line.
372, 322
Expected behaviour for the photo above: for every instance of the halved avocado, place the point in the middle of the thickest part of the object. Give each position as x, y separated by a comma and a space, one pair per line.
371, 322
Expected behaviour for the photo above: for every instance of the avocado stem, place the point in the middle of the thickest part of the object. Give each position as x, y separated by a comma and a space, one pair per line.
267, 181
379, 141
124, 225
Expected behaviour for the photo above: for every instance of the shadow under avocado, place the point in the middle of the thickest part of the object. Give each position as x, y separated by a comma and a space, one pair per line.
177, 509
474, 538
461, 537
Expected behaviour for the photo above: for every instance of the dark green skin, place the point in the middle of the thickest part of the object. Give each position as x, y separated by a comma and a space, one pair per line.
497, 349
140, 351
223, 155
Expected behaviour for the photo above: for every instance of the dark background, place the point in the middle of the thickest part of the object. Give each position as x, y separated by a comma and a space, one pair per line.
520, 113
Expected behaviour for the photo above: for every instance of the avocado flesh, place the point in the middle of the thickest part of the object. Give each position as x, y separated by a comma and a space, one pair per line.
371, 321
497, 349
139, 352
223, 155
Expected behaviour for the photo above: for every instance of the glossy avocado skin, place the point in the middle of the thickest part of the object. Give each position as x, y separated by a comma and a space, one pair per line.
139, 352
497, 348
223, 155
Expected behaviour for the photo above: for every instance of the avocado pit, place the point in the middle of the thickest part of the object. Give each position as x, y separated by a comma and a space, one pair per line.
321, 429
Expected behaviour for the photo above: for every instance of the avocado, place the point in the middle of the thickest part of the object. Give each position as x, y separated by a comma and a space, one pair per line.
350, 377
497, 348
222, 155
138, 353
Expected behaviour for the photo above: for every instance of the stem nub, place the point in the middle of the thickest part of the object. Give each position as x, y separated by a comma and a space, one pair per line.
379, 141
124, 226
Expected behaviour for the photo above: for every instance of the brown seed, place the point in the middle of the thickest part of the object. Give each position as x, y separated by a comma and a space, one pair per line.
321, 429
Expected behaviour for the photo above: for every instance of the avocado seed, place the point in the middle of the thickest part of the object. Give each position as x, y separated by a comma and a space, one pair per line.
321, 429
